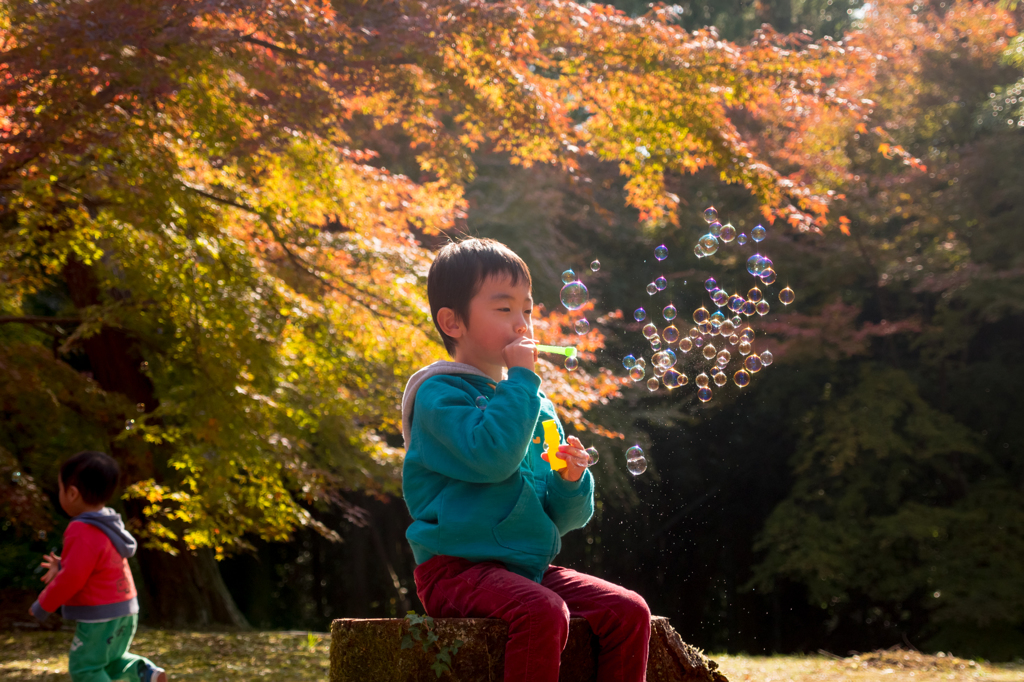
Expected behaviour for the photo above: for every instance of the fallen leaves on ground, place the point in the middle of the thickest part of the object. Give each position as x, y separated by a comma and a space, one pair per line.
890, 665
192, 656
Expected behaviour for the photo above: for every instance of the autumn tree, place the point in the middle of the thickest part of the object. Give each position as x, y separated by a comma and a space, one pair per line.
212, 214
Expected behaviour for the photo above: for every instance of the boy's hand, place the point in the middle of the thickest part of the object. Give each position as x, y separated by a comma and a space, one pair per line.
51, 562
520, 353
576, 459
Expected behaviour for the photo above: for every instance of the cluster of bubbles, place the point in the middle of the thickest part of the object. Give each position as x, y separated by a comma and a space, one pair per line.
722, 336
574, 295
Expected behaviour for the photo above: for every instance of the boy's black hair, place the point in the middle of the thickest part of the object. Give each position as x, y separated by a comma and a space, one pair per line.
95, 474
460, 269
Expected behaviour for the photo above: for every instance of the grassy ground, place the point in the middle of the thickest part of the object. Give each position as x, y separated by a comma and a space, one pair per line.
297, 657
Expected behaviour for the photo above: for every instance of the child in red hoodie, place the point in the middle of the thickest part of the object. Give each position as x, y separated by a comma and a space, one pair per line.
91, 580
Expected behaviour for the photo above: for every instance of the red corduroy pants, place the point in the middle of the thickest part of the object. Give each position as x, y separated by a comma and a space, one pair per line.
538, 615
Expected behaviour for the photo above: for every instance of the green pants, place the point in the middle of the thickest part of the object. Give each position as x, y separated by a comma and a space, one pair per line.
99, 652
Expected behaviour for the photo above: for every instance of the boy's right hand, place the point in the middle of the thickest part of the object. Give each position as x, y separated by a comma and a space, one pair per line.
520, 353
51, 562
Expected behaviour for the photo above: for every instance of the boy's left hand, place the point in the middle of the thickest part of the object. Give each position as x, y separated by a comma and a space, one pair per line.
51, 562
576, 459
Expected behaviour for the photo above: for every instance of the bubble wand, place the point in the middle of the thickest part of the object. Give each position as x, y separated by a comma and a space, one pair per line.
567, 351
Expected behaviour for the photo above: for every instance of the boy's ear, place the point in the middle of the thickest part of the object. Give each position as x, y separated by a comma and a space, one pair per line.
449, 323
71, 492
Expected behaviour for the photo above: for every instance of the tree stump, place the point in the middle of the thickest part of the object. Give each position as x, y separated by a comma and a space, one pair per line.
370, 651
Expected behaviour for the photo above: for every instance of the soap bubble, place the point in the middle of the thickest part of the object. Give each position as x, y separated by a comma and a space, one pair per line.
787, 296
719, 297
16, 478
710, 214
628, 362
758, 233
568, 276
737, 321
693, 333
723, 358
595, 266
734, 339
754, 295
639, 314
144, 366
668, 358
636, 373
702, 380
481, 401
41, 535
741, 239
661, 283
741, 378
715, 229
673, 379
720, 378
768, 276
129, 425
698, 250
658, 370
650, 330
698, 341
660, 252
701, 315
652, 288
653, 383
752, 364
574, 295
728, 233
748, 308
710, 284
140, 407
637, 465
641, 363
755, 264
592, 452
704, 394
716, 319
767, 358
571, 363
686, 344
709, 352
670, 334
655, 342
727, 328
582, 326
747, 334
669, 312
744, 347
761, 307
736, 303
709, 244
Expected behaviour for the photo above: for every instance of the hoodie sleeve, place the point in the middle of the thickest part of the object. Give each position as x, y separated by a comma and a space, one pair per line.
478, 446
77, 561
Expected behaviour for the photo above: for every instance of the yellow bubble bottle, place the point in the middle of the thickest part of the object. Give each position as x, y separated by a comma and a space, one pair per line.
551, 441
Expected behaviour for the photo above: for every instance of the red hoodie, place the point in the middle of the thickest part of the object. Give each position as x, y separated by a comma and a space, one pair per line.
94, 582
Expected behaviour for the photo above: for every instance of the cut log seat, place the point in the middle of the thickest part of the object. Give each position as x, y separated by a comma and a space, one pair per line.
370, 651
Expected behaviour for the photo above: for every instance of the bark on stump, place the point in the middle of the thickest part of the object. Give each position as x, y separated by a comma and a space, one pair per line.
370, 651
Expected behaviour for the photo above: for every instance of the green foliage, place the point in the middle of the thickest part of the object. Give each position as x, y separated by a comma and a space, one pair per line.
421, 631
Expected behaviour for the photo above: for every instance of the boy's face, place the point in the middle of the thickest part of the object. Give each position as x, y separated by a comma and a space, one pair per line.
499, 314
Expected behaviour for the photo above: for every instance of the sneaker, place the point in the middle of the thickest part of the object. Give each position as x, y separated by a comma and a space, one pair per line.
151, 673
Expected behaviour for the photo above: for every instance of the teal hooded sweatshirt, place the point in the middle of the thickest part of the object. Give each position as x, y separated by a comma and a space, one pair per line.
473, 477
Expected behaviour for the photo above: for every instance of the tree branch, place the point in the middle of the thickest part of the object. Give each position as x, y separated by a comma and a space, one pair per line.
295, 54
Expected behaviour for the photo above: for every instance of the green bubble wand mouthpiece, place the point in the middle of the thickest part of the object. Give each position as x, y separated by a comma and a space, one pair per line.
567, 351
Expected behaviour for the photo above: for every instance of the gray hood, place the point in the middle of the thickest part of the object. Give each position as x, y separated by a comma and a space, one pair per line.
109, 521
417, 379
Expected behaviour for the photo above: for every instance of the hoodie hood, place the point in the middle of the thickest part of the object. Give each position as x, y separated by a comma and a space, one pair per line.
417, 379
109, 521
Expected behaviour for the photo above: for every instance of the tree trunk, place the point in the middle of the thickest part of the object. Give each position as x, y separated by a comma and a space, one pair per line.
182, 590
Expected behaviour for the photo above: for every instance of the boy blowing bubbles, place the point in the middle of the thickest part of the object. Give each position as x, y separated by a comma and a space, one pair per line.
488, 511
91, 581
